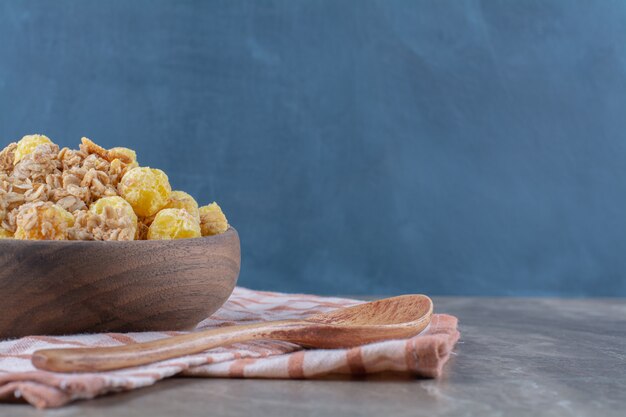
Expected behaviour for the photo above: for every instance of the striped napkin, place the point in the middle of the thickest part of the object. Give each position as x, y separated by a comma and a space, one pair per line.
423, 355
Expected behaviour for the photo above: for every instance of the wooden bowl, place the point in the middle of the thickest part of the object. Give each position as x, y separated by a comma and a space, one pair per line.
65, 287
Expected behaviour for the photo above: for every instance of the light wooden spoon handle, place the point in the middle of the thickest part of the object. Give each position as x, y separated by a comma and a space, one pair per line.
116, 357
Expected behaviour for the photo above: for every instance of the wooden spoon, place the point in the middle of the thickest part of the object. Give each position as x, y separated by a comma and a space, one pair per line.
390, 318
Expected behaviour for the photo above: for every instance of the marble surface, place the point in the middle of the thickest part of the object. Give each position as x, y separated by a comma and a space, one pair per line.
516, 357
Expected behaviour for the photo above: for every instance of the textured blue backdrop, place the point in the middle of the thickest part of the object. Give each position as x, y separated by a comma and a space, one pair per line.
447, 147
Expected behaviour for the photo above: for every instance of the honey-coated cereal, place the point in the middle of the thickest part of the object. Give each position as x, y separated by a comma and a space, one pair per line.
121, 207
123, 154
43, 221
93, 193
173, 224
114, 202
27, 145
212, 220
182, 200
146, 189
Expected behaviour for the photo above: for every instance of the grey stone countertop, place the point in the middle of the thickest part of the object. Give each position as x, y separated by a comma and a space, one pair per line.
516, 357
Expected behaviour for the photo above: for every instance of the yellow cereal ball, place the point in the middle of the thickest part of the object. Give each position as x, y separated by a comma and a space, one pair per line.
128, 156
5, 234
146, 189
212, 220
173, 224
182, 200
27, 145
43, 221
117, 203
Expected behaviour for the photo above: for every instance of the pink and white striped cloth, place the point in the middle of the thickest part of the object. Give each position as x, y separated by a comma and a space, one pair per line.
423, 355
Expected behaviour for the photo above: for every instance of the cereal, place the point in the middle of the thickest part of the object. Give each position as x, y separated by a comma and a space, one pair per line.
10, 197
28, 144
173, 224
109, 218
127, 156
146, 189
7, 156
212, 220
89, 147
92, 193
178, 200
119, 221
43, 221
142, 231
38, 164
182, 200
115, 203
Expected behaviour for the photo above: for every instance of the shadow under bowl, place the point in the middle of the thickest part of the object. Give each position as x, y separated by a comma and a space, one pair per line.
68, 287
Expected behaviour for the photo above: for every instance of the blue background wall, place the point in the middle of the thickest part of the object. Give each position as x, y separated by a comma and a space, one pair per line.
446, 147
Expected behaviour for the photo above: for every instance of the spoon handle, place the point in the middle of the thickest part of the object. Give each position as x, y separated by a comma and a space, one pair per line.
116, 357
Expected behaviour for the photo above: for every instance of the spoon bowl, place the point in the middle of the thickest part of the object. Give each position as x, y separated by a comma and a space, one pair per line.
390, 318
